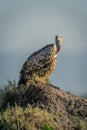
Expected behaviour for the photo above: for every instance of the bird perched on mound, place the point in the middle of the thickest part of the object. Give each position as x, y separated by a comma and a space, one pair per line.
41, 63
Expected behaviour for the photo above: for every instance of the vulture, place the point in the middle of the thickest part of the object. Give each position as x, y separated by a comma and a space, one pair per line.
39, 66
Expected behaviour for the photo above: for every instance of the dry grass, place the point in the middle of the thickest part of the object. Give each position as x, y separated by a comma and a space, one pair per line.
41, 107
17, 118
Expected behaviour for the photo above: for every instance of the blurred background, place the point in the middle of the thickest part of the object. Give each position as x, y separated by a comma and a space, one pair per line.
28, 25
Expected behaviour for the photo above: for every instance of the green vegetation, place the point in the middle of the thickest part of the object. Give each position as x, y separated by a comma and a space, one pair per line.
46, 127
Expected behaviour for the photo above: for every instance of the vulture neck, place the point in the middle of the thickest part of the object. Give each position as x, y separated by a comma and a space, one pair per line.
59, 46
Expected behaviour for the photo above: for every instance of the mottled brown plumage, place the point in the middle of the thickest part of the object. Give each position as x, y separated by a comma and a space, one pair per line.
41, 64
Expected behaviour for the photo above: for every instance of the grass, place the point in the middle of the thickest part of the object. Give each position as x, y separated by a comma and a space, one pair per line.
17, 118
14, 116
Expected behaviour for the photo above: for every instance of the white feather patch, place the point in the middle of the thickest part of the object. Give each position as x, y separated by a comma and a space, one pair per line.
55, 56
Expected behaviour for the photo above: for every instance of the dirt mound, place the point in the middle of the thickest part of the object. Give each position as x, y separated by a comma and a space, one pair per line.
70, 111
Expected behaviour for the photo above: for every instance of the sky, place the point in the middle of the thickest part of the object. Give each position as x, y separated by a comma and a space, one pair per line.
28, 25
